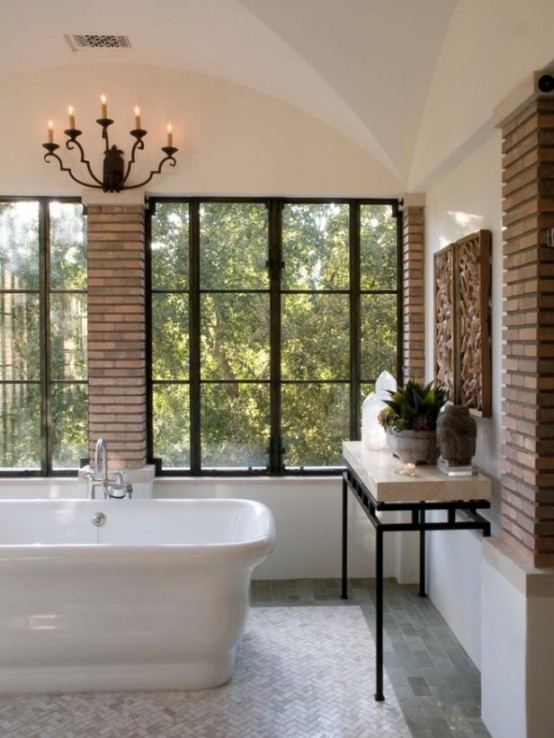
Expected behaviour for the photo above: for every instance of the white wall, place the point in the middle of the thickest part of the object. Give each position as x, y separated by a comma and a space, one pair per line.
231, 140
490, 47
467, 199
504, 655
518, 644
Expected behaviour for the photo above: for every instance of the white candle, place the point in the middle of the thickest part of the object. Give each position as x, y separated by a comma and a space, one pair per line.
71, 117
103, 100
137, 118
169, 135
50, 131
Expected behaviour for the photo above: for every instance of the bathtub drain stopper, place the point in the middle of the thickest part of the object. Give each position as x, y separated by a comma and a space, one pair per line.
99, 519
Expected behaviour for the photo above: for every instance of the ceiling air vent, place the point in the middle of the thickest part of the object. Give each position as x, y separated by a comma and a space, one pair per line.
86, 41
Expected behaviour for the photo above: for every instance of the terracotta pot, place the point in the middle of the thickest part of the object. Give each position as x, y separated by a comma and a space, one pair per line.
415, 447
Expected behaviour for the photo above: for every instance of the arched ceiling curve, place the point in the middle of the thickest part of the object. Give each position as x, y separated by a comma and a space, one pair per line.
361, 66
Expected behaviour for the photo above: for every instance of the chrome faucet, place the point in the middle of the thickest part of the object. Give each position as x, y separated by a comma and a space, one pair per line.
112, 488
101, 453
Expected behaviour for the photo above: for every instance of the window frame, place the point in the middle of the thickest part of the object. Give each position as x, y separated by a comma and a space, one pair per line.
45, 381
275, 206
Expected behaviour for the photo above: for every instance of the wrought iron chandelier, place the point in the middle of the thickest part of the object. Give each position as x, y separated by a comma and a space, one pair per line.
114, 172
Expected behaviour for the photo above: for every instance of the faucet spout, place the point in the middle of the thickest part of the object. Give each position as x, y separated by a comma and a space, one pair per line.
101, 459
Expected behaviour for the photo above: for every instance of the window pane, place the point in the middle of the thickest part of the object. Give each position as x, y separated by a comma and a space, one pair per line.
19, 245
317, 340
378, 250
170, 336
315, 246
379, 336
68, 246
315, 423
235, 336
316, 336
19, 337
233, 246
235, 425
69, 425
171, 413
20, 443
170, 247
68, 336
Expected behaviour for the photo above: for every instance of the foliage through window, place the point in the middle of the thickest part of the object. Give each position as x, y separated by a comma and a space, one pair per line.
43, 336
269, 321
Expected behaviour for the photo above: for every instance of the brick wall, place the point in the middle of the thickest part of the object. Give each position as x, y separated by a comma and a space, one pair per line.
116, 333
527, 507
413, 289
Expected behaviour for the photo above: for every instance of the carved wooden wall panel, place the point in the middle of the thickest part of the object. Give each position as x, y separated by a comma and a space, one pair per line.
462, 310
444, 316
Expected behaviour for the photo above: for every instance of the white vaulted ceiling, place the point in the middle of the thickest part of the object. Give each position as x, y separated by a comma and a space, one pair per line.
362, 66
409, 82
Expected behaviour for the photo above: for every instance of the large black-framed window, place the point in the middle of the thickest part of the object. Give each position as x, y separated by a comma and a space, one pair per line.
269, 320
43, 336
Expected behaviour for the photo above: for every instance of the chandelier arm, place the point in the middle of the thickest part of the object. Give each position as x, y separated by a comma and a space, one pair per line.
139, 144
68, 170
169, 151
70, 144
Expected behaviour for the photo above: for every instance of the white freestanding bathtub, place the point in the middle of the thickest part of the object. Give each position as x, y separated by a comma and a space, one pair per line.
156, 597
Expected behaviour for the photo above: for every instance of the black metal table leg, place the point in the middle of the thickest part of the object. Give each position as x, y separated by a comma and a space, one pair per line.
344, 583
372, 508
379, 696
422, 553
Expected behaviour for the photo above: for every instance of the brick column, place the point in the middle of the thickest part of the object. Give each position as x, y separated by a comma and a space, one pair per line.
116, 332
527, 506
413, 250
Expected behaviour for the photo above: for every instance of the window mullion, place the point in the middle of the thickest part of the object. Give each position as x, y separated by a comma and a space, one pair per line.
355, 319
44, 338
275, 464
194, 336
151, 209
399, 215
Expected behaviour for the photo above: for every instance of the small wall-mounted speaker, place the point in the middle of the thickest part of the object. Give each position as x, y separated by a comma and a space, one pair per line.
546, 83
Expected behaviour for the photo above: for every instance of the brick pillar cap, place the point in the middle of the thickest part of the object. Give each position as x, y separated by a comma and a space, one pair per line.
414, 199
127, 197
518, 98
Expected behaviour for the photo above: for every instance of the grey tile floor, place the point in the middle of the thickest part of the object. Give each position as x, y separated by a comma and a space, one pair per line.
436, 684
287, 683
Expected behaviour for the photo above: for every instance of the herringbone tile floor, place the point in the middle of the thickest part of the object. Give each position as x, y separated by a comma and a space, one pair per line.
437, 685
300, 673
288, 682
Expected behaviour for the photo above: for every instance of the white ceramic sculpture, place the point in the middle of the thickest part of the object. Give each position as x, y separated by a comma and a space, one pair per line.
373, 434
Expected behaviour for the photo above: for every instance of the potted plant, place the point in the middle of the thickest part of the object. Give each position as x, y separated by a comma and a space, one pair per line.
410, 421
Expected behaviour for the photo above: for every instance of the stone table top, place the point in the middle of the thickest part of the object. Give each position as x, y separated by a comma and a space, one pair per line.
381, 473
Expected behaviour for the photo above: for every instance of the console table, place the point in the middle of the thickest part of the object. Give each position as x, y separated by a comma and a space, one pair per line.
376, 480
